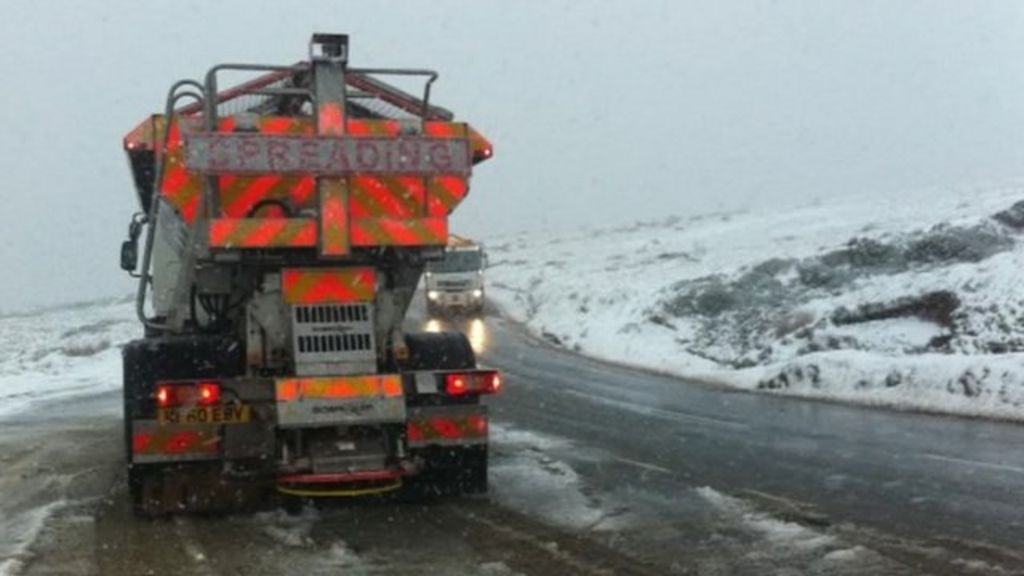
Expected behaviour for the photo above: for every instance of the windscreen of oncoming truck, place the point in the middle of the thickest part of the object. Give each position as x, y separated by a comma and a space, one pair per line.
458, 261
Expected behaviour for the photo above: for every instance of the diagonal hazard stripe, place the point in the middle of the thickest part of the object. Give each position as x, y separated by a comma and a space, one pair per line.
359, 207
414, 192
322, 285
286, 125
433, 428
429, 231
263, 233
246, 193
445, 129
368, 232
303, 191
334, 220
374, 127
408, 193
177, 440
339, 388
445, 193
181, 188
331, 118
399, 232
361, 195
240, 194
388, 195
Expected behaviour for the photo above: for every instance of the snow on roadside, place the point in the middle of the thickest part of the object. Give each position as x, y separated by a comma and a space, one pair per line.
291, 531
526, 476
989, 386
63, 351
299, 546
910, 302
786, 542
20, 532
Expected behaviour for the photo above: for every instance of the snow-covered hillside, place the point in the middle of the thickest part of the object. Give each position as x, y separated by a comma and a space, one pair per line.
913, 301
63, 351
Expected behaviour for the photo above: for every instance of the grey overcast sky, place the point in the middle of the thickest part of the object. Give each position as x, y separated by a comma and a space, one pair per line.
600, 111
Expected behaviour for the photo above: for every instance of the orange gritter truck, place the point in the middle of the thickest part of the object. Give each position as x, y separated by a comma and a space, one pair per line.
285, 223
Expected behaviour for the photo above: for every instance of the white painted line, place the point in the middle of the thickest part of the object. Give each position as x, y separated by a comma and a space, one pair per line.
642, 465
964, 461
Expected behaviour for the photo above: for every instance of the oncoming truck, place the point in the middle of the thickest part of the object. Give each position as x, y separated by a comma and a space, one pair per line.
285, 224
455, 283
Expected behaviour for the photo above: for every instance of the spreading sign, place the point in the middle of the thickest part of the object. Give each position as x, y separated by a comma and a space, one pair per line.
326, 155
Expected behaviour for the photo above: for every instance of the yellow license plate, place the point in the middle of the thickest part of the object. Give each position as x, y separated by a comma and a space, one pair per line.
206, 415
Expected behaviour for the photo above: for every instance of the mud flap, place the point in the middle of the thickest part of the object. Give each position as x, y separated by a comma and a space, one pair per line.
451, 471
161, 489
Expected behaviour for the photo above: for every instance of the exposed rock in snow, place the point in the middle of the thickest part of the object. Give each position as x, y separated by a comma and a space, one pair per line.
910, 302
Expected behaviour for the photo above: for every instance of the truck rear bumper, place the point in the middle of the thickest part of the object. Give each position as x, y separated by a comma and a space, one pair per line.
413, 427
464, 425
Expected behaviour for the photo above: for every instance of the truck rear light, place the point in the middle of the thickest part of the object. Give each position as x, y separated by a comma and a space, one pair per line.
209, 393
456, 384
167, 395
492, 382
204, 393
462, 383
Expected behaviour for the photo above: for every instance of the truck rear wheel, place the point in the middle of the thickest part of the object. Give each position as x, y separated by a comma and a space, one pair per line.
154, 491
197, 487
140, 485
453, 471
164, 488
439, 351
457, 469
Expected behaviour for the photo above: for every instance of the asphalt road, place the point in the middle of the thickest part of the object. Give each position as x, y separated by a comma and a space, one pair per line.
920, 487
596, 469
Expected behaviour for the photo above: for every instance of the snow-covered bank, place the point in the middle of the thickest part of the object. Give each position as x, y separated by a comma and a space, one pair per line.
63, 351
913, 302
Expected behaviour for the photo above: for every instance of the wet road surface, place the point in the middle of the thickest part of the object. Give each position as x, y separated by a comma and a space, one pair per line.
596, 469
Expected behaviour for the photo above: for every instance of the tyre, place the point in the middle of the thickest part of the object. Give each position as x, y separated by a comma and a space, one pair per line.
141, 487
454, 470
439, 351
151, 360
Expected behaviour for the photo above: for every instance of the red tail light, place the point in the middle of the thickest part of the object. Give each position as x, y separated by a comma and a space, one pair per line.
482, 382
456, 384
171, 394
493, 382
166, 396
209, 393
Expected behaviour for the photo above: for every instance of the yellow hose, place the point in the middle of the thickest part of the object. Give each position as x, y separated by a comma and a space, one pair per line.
342, 493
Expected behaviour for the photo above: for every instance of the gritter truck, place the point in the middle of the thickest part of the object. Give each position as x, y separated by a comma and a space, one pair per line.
455, 283
285, 223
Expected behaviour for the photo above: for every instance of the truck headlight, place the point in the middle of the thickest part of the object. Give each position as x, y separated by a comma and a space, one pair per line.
432, 294
478, 293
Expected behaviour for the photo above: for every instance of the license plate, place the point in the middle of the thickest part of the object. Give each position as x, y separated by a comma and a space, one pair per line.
206, 415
